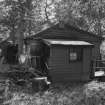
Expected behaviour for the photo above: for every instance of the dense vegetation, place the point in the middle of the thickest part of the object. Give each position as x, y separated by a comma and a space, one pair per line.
92, 93
19, 18
33, 14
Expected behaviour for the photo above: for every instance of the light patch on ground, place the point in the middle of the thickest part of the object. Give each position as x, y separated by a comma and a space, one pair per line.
99, 73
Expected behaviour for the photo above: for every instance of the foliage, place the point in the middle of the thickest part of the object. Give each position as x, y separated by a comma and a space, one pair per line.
33, 12
85, 14
92, 93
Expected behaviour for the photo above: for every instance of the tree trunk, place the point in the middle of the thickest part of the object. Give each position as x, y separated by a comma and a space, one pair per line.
99, 20
20, 38
20, 31
12, 35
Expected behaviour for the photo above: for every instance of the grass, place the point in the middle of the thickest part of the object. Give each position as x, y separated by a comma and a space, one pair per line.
92, 93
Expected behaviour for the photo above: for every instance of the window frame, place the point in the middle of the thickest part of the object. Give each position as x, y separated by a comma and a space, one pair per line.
78, 51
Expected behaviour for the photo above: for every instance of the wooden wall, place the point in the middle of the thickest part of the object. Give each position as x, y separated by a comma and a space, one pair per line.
87, 58
64, 71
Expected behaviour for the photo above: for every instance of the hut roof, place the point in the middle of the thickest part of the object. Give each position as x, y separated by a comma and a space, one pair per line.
65, 31
66, 42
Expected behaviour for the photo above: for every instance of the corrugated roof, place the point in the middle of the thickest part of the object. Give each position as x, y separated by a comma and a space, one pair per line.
66, 42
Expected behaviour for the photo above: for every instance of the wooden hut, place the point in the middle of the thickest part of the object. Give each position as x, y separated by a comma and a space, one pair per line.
71, 52
70, 60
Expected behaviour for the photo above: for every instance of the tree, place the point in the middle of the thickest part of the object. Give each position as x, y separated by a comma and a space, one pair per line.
18, 19
84, 14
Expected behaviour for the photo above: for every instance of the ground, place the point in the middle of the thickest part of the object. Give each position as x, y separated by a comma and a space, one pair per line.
91, 93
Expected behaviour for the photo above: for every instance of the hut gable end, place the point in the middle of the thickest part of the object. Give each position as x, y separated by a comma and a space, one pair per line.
67, 32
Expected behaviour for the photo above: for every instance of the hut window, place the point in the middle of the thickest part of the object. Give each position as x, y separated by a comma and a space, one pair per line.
75, 54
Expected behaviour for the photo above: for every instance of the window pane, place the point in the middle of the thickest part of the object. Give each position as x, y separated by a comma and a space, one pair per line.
73, 56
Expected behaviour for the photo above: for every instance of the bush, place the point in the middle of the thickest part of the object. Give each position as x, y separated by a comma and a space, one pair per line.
92, 93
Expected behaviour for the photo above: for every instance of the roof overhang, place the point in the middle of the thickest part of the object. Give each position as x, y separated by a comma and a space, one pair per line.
67, 42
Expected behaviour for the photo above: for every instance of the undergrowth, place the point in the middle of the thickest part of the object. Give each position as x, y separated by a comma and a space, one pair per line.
92, 93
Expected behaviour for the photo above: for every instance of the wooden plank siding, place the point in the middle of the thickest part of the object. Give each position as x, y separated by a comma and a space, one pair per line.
87, 58
63, 70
